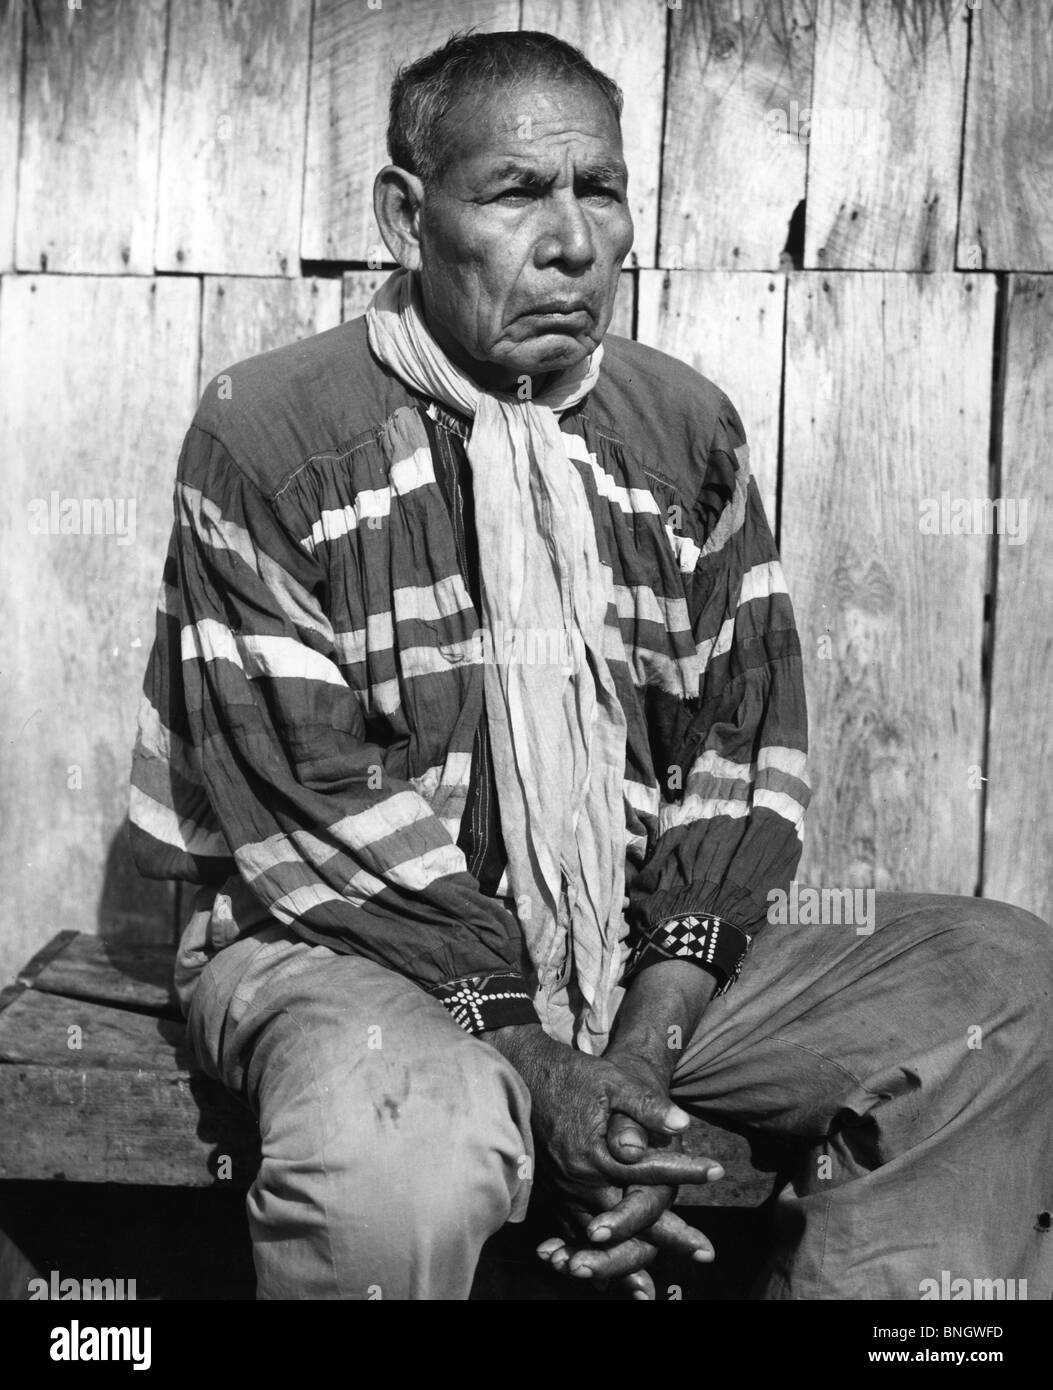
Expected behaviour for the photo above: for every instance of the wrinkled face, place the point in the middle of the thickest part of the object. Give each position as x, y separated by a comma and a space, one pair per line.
522, 241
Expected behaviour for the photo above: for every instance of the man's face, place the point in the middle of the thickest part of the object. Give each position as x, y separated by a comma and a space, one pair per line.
522, 240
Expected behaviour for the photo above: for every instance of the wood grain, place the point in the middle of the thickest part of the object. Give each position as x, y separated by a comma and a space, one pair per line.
728, 325
92, 1093
354, 54
624, 305
885, 132
11, 14
79, 966
50, 1030
87, 194
156, 1128
41, 959
1018, 841
97, 386
232, 144
358, 288
731, 178
627, 41
244, 316
1006, 218
888, 405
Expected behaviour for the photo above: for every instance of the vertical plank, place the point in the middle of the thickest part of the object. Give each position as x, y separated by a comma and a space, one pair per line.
728, 325
232, 140
88, 168
354, 55
887, 408
884, 137
733, 171
624, 305
11, 12
1006, 218
243, 316
1018, 838
97, 383
627, 41
359, 287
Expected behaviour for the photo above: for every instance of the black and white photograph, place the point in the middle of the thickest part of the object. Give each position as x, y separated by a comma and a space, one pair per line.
526, 572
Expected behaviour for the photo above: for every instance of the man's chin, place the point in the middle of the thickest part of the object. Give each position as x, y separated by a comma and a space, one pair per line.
551, 352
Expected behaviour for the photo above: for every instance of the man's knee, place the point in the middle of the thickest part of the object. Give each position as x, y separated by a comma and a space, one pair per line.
1016, 947
401, 1147
432, 1133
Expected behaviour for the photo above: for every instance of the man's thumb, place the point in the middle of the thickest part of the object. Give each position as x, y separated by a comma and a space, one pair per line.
651, 1109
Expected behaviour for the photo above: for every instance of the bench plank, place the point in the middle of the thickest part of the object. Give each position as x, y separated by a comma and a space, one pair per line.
41, 1028
119, 1100
80, 966
98, 1124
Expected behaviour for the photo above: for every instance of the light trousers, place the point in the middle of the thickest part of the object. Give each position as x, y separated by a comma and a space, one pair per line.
905, 1077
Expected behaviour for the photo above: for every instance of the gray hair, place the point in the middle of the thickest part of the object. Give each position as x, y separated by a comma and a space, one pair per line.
423, 93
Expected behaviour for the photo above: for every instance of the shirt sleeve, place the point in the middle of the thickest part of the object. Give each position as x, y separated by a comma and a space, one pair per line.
252, 752
736, 791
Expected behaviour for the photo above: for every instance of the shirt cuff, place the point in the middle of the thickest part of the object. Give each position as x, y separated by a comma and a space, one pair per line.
482, 1002
697, 937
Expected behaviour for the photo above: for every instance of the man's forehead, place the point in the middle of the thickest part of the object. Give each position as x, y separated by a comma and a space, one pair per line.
501, 164
533, 127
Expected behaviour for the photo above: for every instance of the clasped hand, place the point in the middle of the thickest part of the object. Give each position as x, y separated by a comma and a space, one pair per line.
609, 1151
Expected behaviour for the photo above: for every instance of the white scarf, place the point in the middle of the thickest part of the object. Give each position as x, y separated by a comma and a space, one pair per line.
556, 726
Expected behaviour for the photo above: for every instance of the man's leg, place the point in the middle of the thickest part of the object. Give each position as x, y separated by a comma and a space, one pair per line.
909, 1074
394, 1144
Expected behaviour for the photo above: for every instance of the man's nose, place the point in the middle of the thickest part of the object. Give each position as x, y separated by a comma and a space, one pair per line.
567, 238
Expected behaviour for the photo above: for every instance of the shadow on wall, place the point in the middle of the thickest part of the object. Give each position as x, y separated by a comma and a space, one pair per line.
137, 926
132, 910
138, 923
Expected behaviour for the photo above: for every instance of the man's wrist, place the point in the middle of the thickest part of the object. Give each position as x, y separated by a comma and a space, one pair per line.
523, 1045
662, 1008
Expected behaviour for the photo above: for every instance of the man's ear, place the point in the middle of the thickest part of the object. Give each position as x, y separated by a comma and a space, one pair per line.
397, 199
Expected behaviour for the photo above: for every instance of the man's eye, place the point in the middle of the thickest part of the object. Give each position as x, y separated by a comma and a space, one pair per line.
515, 194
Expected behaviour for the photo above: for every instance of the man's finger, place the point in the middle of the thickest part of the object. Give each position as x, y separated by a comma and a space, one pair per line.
625, 1258
658, 1167
670, 1232
640, 1286
626, 1140
624, 1263
555, 1252
664, 1229
638, 1209
654, 1111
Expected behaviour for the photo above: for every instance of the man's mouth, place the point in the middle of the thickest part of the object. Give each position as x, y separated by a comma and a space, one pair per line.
569, 315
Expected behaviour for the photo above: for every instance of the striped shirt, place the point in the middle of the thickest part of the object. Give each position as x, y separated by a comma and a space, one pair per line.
312, 736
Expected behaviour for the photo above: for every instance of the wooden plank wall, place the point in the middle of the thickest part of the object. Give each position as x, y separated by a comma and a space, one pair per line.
10, 114
1018, 845
78, 423
890, 618
102, 155
844, 215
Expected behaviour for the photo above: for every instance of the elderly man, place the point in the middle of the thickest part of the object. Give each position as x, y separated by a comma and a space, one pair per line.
476, 713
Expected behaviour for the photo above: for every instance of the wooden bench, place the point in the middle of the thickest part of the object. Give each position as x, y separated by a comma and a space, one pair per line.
96, 1086
95, 1081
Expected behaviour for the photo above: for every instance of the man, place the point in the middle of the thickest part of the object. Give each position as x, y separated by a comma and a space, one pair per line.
476, 710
